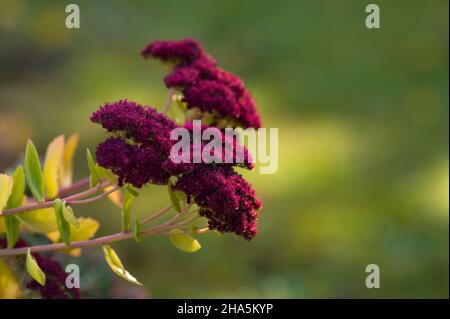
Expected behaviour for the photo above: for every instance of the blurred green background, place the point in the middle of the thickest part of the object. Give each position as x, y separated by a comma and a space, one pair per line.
363, 129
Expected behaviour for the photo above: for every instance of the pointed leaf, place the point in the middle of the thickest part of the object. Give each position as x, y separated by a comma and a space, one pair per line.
88, 228
69, 216
9, 285
18, 190
53, 166
12, 230
39, 220
67, 166
116, 265
63, 225
12, 224
91, 165
6, 187
136, 229
2, 225
33, 172
126, 209
105, 173
184, 242
33, 269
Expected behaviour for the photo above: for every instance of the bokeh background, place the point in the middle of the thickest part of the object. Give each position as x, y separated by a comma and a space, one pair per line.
363, 129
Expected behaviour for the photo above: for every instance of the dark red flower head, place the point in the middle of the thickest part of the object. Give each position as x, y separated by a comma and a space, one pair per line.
205, 85
226, 199
175, 51
140, 153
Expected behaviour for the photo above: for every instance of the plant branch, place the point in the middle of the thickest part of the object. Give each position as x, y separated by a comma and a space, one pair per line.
88, 243
92, 199
70, 200
156, 215
73, 187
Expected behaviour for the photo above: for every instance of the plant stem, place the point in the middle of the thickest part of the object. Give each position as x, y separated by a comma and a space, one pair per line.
156, 215
60, 246
88, 243
71, 200
73, 187
92, 199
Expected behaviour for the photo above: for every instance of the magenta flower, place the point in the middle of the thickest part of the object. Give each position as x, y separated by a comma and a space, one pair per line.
140, 154
134, 164
142, 124
212, 96
225, 198
174, 51
203, 84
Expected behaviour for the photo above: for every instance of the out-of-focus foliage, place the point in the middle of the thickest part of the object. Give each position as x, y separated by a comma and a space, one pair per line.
363, 124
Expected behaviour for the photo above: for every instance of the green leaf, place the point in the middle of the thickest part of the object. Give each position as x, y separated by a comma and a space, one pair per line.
116, 265
15, 200
105, 173
53, 165
95, 179
18, 189
184, 242
68, 154
63, 225
132, 190
33, 269
40, 220
174, 197
69, 216
136, 229
126, 209
33, 171
6, 186
12, 230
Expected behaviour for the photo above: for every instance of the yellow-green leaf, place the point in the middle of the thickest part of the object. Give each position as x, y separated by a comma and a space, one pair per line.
33, 269
88, 228
105, 173
136, 229
33, 172
39, 220
94, 180
6, 186
12, 230
174, 198
2, 224
63, 225
126, 210
67, 165
116, 265
69, 216
184, 242
18, 189
9, 285
12, 224
52, 166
